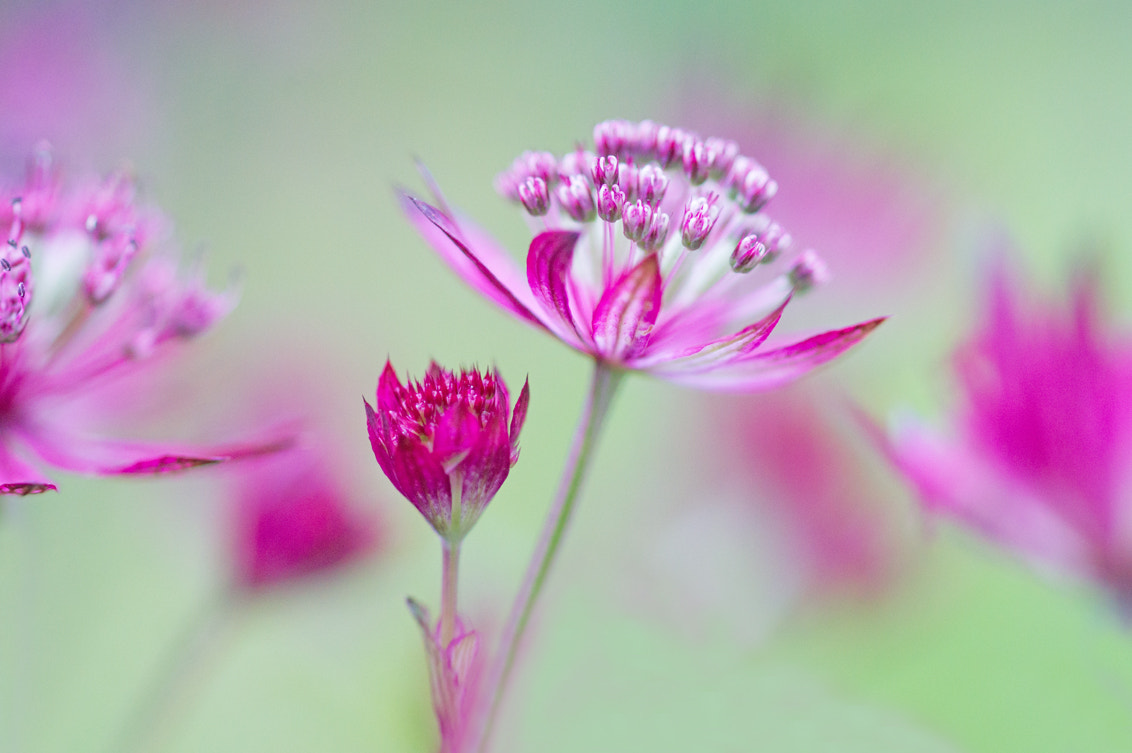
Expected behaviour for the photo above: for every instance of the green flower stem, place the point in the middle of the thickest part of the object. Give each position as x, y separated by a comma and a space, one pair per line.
602, 388
448, 592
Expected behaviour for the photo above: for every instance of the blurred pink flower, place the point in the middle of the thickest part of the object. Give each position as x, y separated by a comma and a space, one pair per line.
294, 519
66, 79
1040, 458
797, 459
454, 673
90, 296
643, 255
447, 442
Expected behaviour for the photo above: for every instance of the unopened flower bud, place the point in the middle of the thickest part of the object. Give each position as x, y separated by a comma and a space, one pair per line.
657, 233
610, 137
534, 196
669, 145
699, 218
809, 270
610, 200
697, 165
604, 170
651, 184
627, 180
749, 252
721, 154
636, 220
576, 199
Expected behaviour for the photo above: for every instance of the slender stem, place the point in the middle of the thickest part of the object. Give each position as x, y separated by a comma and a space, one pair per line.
448, 592
180, 671
602, 388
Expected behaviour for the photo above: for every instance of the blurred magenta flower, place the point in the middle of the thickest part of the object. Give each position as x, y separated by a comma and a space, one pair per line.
90, 297
642, 258
1040, 458
68, 80
797, 459
446, 442
455, 669
293, 519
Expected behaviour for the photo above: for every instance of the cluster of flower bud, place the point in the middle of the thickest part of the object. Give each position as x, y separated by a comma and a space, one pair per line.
636, 163
635, 166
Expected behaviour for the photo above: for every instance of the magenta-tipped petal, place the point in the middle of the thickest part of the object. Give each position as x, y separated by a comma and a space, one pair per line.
626, 313
518, 418
762, 370
548, 267
484, 273
19, 478
719, 352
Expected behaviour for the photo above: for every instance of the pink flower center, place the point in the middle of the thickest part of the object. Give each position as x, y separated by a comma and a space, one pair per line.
421, 405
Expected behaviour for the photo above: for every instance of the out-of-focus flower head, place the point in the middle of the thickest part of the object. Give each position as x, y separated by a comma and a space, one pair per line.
781, 513
293, 518
66, 79
645, 258
446, 442
797, 459
454, 673
1039, 457
90, 296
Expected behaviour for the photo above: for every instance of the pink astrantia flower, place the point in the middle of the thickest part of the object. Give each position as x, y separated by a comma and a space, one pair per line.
1040, 458
446, 442
643, 258
454, 672
798, 461
294, 519
89, 298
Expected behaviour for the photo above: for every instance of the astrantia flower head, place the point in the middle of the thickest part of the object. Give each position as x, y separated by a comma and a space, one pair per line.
88, 296
1040, 457
446, 442
648, 256
294, 519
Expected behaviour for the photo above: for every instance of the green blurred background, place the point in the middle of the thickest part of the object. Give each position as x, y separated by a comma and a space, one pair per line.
273, 132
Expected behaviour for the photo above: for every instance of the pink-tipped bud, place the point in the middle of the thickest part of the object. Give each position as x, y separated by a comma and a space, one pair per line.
644, 142
697, 165
627, 180
721, 155
809, 270
534, 196
576, 162
604, 170
657, 233
751, 184
576, 199
669, 145
776, 239
749, 252
542, 165
636, 220
610, 137
651, 184
610, 200
699, 218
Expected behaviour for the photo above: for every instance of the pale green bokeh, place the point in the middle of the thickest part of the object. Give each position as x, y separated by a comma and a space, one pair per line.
283, 129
